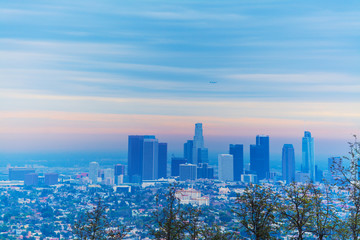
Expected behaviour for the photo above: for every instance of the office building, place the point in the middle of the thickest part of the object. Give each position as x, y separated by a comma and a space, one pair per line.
150, 159
175, 165
135, 156
94, 168
226, 167
119, 172
198, 142
203, 155
162, 164
319, 174
288, 163
119, 169
187, 172
249, 178
188, 150
108, 176
204, 171
31, 179
51, 179
237, 150
19, 173
260, 157
308, 158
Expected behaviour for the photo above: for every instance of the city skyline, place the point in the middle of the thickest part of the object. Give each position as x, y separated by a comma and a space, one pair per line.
81, 77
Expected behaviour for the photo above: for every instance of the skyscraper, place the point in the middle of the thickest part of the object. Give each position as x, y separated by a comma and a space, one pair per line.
204, 171
135, 156
119, 172
150, 159
94, 168
175, 165
237, 150
288, 163
203, 155
226, 167
188, 150
308, 160
162, 165
260, 157
198, 142
188, 172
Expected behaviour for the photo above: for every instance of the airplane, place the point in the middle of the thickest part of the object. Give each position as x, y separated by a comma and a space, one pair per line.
212, 82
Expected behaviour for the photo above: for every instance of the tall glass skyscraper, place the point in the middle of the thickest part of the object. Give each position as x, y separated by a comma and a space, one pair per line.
188, 150
150, 159
308, 159
260, 157
198, 142
237, 150
288, 163
135, 155
162, 169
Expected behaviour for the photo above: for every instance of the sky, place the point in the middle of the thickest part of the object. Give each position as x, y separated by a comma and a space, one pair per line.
80, 76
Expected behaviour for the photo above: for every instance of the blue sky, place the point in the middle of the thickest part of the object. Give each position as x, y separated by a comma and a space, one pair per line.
71, 71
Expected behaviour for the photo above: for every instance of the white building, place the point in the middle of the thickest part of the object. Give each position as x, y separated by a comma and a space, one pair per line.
94, 168
109, 176
192, 196
249, 178
226, 167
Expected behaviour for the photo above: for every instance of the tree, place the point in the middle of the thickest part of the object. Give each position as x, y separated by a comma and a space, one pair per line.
347, 172
297, 208
324, 219
214, 232
192, 216
95, 225
256, 209
170, 218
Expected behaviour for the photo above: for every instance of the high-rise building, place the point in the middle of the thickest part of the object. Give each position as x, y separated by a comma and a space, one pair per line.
175, 165
119, 169
94, 168
203, 155
150, 159
308, 158
51, 178
31, 179
162, 165
260, 157
119, 172
226, 167
19, 173
108, 177
187, 172
198, 142
204, 171
135, 156
319, 174
188, 150
288, 163
237, 150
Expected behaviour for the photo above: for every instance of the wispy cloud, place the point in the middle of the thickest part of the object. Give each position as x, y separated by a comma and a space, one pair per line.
276, 64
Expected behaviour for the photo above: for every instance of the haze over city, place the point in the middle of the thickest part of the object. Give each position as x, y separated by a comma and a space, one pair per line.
79, 77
